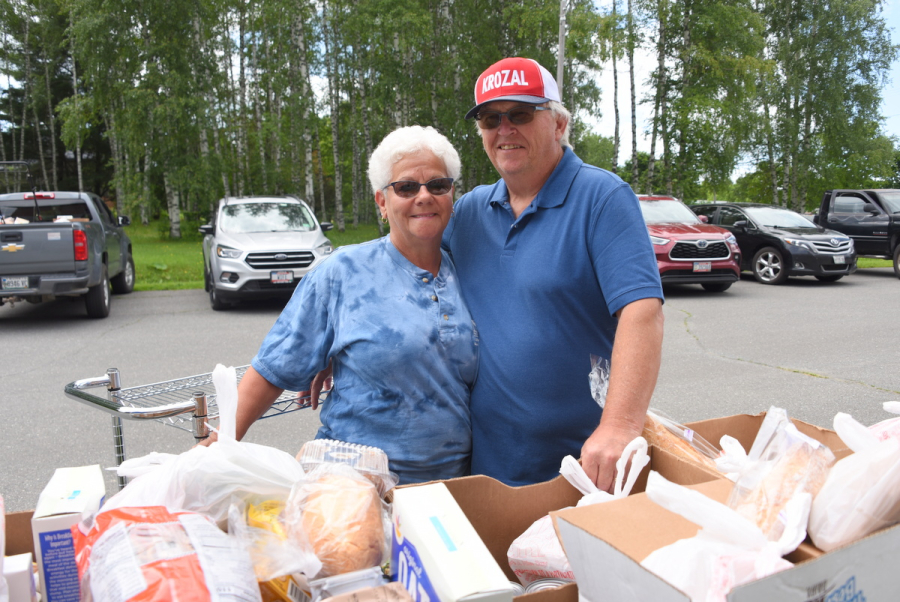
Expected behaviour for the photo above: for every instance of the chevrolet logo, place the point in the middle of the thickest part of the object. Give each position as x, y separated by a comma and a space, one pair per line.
12, 247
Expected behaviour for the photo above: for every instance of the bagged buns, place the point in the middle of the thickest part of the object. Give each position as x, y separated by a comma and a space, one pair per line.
340, 513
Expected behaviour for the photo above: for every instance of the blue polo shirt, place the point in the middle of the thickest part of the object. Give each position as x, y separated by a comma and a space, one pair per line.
543, 290
404, 351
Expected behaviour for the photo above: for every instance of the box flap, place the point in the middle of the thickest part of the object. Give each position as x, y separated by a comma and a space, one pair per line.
72, 490
744, 427
18, 533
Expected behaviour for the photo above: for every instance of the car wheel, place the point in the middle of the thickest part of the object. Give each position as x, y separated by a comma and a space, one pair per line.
215, 301
830, 278
897, 261
123, 283
97, 299
716, 287
768, 266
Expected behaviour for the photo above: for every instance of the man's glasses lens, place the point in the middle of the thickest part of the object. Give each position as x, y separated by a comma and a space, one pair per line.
489, 120
408, 189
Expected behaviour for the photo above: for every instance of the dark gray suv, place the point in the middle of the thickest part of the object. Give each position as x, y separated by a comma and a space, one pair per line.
778, 243
260, 247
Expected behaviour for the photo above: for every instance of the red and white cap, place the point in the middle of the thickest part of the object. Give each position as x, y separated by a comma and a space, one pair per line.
517, 79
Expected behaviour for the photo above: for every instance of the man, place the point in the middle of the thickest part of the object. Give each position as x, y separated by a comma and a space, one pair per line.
555, 264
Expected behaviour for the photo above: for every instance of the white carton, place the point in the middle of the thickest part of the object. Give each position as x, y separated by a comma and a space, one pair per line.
606, 543
437, 555
70, 494
19, 578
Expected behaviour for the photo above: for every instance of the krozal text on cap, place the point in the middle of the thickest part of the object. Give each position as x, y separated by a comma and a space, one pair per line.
516, 79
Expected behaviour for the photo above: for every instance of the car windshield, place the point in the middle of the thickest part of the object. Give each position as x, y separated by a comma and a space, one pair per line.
891, 201
266, 217
667, 212
778, 218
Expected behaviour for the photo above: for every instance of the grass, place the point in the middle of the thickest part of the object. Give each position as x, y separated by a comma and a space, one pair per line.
162, 263
868, 262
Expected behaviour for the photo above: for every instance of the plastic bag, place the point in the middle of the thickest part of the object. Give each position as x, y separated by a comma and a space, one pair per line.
733, 460
282, 565
728, 551
340, 512
209, 479
862, 492
371, 462
599, 379
537, 553
782, 462
890, 428
664, 433
146, 554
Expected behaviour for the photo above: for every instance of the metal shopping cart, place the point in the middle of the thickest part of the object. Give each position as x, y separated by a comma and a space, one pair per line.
186, 403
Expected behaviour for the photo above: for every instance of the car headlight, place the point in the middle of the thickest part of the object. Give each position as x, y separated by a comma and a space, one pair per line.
228, 252
325, 248
730, 239
800, 243
659, 241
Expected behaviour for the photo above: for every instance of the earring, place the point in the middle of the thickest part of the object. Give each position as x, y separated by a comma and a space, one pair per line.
383, 219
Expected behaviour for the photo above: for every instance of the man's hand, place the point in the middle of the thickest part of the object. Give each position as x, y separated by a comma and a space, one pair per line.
321, 382
602, 450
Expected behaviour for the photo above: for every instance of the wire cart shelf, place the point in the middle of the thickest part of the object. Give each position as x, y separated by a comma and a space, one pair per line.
186, 403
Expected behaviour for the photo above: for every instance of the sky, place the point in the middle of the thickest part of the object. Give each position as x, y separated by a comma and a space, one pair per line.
645, 64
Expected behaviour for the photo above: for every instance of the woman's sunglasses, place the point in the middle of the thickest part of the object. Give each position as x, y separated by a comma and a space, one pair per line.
407, 189
488, 120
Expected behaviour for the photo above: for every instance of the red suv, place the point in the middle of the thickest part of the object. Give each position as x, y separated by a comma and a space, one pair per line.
688, 250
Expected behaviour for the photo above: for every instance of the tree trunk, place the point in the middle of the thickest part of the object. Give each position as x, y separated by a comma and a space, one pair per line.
145, 197
331, 68
634, 155
75, 90
660, 91
52, 118
173, 207
615, 157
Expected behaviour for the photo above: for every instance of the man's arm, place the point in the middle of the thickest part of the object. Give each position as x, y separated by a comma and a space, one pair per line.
634, 368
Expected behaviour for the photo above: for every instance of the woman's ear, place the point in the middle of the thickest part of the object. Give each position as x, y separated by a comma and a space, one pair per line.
380, 201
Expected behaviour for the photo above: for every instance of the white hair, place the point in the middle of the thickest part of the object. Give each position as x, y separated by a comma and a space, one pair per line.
406, 141
558, 111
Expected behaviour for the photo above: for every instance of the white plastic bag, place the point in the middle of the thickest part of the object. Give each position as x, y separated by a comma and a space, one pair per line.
862, 492
204, 479
728, 551
537, 553
890, 428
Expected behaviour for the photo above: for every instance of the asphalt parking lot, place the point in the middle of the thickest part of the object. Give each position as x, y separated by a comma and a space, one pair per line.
813, 348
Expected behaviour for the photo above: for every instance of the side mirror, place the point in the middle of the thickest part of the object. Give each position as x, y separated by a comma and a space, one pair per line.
870, 208
124, 220
703, 219
741, 225
207, 229
326, 226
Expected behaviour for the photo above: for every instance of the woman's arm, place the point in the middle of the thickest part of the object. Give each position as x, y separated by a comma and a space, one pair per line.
255, 396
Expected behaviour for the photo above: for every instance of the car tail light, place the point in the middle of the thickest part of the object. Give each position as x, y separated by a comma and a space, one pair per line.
79, 238
40, 195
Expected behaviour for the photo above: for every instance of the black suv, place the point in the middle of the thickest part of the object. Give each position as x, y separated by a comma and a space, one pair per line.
778, 243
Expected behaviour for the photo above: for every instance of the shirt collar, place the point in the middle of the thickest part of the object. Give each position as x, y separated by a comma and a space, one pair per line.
554, 191
409, 267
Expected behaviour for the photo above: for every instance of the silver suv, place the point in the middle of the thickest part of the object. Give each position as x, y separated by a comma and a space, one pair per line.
260, 247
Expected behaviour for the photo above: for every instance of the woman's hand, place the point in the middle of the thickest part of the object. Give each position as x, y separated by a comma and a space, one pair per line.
322, 381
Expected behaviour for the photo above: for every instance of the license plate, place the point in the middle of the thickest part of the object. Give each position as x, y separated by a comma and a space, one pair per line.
14, 282
282, 277
702, 266
840, 259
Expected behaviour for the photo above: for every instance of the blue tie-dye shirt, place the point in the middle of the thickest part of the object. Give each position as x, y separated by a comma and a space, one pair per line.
404, 351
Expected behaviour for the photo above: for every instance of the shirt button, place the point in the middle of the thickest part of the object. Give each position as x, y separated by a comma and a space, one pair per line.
425, 280
446, 317
434, 297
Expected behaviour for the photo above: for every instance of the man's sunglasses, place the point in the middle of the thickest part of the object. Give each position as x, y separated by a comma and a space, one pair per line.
407, 189
488, 120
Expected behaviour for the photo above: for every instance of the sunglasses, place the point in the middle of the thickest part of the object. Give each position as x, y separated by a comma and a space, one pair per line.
407, 189
488, 120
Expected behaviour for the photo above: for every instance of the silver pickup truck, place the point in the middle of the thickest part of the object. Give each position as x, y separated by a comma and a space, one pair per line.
63, 244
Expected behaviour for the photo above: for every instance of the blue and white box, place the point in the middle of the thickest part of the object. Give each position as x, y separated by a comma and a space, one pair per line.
71, 494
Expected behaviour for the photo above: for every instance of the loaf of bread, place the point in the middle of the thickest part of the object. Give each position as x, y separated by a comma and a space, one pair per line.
803, 468
340, 513
660, 435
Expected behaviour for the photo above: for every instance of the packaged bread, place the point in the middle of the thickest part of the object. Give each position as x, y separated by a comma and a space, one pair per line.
371, 462
341, 514
790, 463
666, 434
270, 550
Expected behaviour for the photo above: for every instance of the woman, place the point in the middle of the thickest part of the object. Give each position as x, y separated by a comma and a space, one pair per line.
389, 317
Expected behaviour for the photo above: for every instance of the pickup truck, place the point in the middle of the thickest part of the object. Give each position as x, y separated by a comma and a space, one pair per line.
63, 244
870, 217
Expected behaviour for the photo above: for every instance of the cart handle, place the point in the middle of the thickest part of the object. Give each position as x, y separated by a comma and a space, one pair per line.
76, 391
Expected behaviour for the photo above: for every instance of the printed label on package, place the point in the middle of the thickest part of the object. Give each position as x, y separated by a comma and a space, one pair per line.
406, 567
60, 570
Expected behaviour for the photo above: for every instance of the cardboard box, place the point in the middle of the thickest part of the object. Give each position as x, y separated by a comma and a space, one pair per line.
606, 543
500, 513
70, 494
